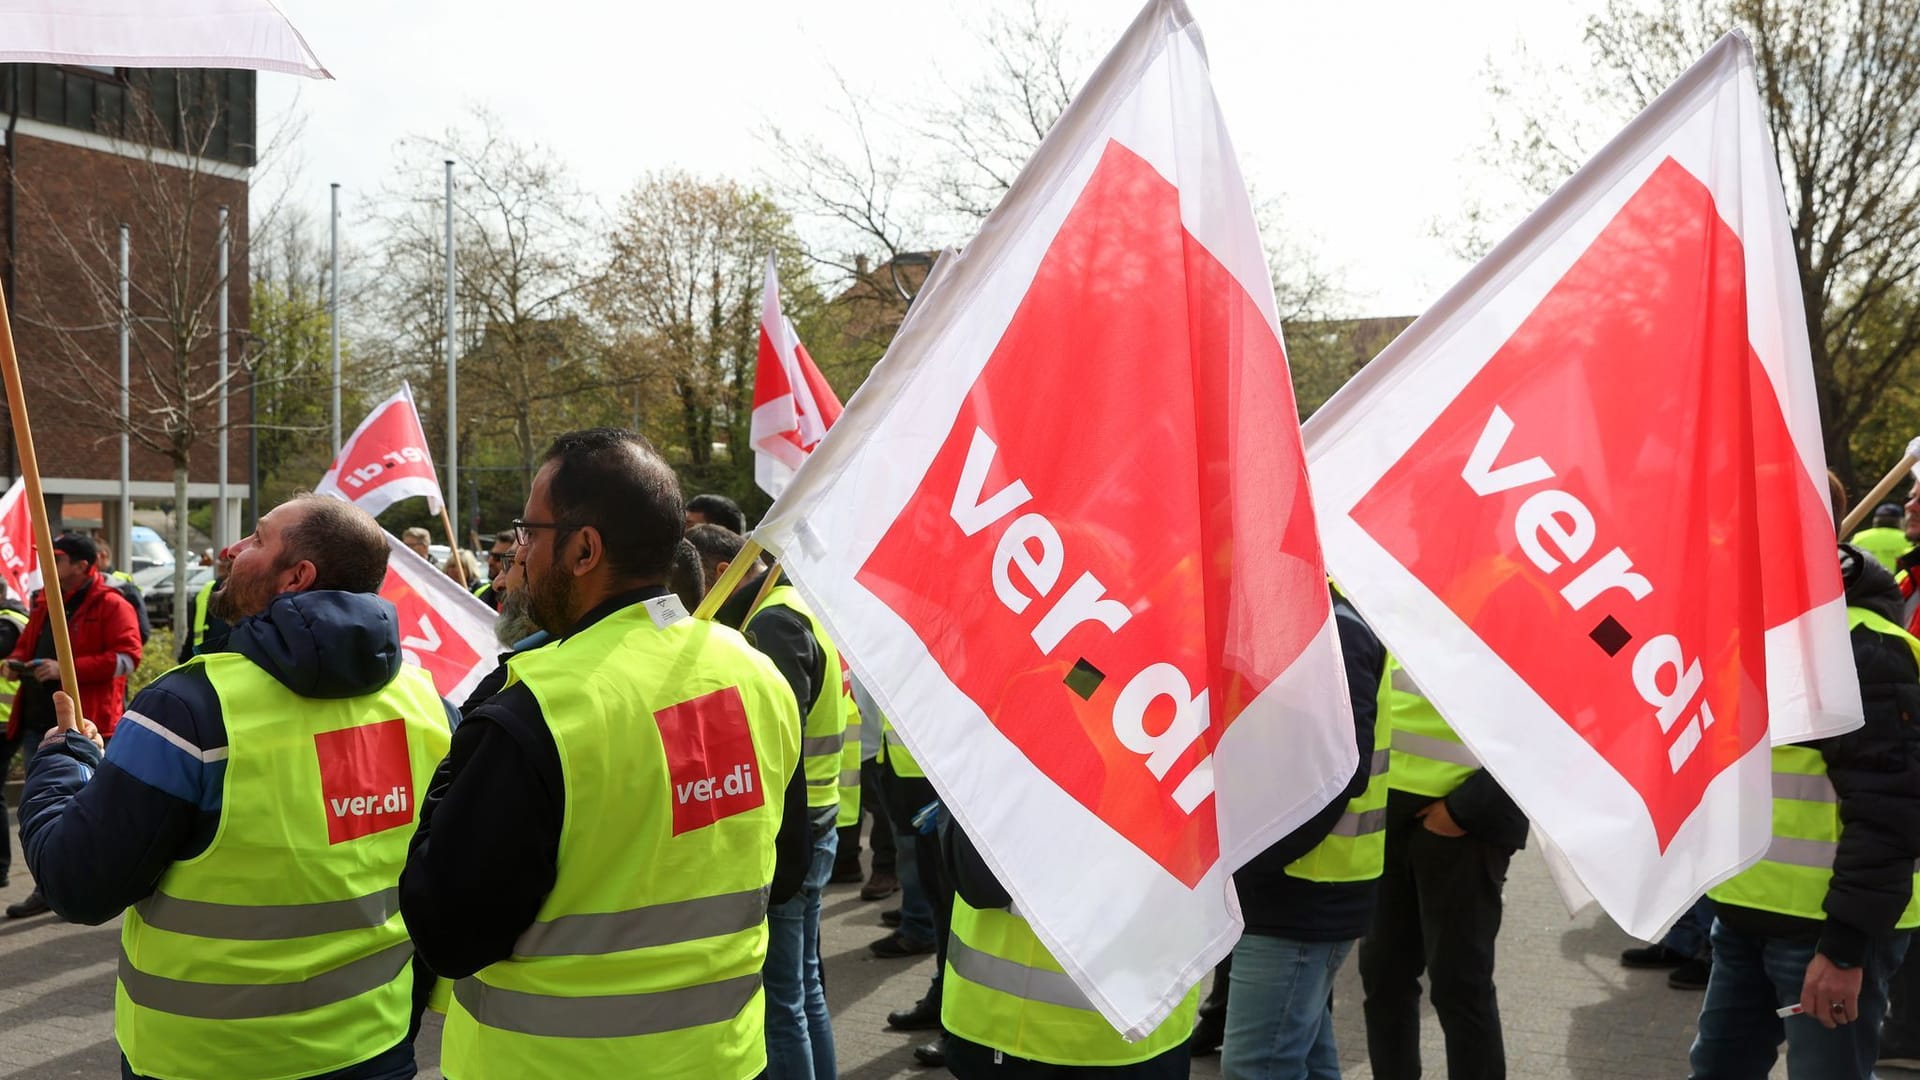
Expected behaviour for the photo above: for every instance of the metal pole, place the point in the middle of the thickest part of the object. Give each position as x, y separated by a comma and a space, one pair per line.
220, 537
333, 310
453, 384
123, 530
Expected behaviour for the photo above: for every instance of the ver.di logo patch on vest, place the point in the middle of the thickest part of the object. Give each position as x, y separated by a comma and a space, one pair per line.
710, 759
366, 779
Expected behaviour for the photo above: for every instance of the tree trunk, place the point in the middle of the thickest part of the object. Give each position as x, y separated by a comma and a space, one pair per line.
182, 603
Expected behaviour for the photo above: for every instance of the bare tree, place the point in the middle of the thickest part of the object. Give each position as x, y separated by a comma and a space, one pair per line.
169, 151
1840, 82
524, 260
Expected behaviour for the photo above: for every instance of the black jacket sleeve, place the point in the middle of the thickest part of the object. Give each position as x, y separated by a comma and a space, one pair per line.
486, 851
1483, 808
786, 640
1875, 772
972, 879
793, 845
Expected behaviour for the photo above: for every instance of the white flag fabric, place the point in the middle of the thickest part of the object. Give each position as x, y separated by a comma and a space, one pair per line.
1583, 500
1063, 535
155, 33
443, 627
792, 404
385, 459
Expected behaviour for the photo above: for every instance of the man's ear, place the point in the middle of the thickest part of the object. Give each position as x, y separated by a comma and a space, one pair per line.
593, 551
299, 577
719, 568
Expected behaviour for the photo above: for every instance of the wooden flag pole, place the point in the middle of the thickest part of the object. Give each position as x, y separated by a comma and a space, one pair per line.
1859, 513
729, 581
36, 502
459, 564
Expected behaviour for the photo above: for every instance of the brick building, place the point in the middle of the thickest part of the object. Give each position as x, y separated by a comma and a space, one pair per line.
159, 150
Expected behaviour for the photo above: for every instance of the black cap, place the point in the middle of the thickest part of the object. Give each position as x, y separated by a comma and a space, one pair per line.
78, 548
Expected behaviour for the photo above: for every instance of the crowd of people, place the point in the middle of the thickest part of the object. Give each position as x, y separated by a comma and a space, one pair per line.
609, 860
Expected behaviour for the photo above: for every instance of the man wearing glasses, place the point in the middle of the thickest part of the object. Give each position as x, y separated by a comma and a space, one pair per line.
617, 808
499, 558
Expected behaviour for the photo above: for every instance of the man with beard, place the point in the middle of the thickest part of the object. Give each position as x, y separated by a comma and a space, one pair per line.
594, 859
265, 941
513, 627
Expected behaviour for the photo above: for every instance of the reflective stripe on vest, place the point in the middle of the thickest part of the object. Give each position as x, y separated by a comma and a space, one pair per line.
849, 753
1792, 877
1428, 758
645, 957
1356, 848
289, 920
1004, 990
826, 724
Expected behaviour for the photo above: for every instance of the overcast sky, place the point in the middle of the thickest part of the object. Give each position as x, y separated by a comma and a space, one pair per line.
1364, 117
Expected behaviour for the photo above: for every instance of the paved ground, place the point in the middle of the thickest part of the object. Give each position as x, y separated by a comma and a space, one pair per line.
1570, 1010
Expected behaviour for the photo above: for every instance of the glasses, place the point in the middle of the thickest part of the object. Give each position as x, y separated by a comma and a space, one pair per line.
523, 530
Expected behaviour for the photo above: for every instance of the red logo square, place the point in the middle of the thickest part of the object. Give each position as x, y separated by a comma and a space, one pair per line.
366, 779
710, 759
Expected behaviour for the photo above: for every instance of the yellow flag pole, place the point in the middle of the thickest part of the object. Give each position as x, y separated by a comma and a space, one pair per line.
36, 501
1887, 483
459, 564
729, 581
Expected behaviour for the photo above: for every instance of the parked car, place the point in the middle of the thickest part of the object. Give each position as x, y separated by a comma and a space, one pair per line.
148, 549
160, 597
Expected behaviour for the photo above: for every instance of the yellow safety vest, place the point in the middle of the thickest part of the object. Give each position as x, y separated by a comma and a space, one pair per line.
280, 950
202, 601
676, 742
1427, 757
1884, 544
825, 735
1004, 990
895, 754
849, 754
9, 686
1792, 878
1356, 849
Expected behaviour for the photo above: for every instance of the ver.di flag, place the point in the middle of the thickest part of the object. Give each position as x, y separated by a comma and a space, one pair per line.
155, 33
1064, 536
1583, 500
19, 567
385, 459
443, 627
792, 404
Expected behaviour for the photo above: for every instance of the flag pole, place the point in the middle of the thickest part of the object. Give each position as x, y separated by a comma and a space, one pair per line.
36, 502
729, 581
459, 564
766, 586
1859, 513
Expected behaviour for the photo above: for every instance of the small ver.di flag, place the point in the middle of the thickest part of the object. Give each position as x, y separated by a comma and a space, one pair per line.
792, 404
19, 568
1583, 500
443, 628
1064, 536
385, 460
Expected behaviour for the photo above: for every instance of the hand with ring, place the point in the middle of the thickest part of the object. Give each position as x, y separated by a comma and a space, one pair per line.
1830, 993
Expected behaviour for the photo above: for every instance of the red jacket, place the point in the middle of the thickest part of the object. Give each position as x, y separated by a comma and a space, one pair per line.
102, 627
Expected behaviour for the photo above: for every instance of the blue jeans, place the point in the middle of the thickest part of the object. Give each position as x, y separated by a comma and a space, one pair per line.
1691, 931
916, 909
799, 1035
1280, 1010
1752, 976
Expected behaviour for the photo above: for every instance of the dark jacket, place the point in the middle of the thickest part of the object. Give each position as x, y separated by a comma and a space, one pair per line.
102, 627
99, 833
1875, 772
487, 849
1277, 904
